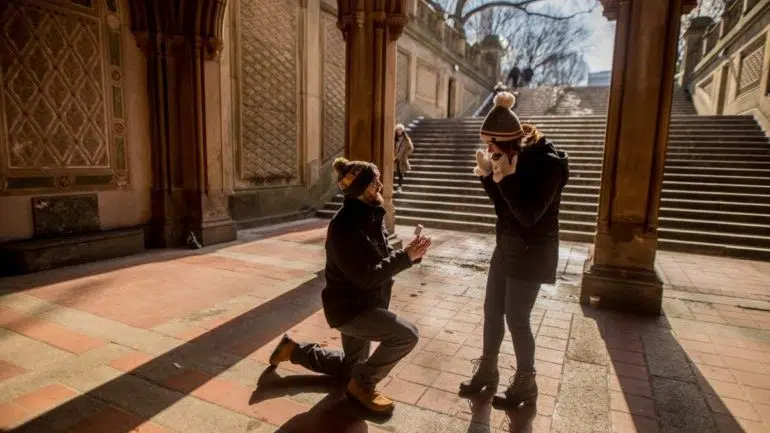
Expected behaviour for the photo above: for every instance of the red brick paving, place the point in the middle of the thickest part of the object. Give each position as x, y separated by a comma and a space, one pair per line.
8, 370
445, 299
47, 332
111, 420
11, 414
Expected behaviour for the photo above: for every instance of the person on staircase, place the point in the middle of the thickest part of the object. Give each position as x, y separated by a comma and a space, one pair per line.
513, 77
524, 174
403, 148
360, 266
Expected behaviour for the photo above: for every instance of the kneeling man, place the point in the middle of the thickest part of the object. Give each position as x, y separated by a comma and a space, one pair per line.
360, 266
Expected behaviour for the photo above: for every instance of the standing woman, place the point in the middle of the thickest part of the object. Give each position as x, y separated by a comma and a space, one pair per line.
524, 177
403, 148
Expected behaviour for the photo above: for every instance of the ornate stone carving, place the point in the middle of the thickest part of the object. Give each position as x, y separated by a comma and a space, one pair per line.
59, 90
751, 67
334, 91
268, 94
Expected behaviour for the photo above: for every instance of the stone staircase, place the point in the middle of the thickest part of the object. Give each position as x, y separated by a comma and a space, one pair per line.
716, 187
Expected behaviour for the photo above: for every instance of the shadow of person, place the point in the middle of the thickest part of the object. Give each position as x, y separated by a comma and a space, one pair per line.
272, 385
335, 413
520, 419
480, 405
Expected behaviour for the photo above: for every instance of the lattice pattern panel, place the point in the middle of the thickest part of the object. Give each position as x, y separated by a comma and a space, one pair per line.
334, 90
268, 136
61, 129
751, 68
402, 77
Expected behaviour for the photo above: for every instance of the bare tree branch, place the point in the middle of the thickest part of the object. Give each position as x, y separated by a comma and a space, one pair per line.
521, 5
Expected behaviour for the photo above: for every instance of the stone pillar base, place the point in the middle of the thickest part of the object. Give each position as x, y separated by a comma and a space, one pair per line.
215, 232
633, 290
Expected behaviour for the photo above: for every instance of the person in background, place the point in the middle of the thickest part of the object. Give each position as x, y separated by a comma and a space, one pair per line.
513, 77
360, 266
526, 76
402, 149
524, 178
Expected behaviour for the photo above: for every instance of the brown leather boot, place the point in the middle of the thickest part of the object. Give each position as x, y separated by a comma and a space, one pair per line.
485, 375
523, 389
283, 351
370, 398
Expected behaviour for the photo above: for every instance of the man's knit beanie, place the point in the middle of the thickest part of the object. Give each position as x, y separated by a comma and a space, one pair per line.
501, 123
353, 177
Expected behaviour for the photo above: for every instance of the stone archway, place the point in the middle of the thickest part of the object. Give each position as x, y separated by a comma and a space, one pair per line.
183, 41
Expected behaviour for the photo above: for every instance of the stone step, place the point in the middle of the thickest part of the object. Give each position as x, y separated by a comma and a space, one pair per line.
716, 183
551, 129
674, 186
574, 230
677, 118
454, 151
577, 210
594, 170
577, 161
594, 156
680, 208
585, 233
582, 138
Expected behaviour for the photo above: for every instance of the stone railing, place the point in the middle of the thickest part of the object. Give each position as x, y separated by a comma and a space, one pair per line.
704, 34
479, 57
725, 67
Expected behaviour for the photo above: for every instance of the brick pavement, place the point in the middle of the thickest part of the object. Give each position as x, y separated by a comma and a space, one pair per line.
177, 341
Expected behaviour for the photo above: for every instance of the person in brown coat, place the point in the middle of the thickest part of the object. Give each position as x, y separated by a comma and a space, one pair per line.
403, 147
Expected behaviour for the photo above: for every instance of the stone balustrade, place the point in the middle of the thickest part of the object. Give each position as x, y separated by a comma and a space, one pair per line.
726, 66
435, 23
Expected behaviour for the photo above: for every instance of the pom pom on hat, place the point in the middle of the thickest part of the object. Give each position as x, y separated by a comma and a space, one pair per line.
353, 177
339, 165
501, 123
505, 99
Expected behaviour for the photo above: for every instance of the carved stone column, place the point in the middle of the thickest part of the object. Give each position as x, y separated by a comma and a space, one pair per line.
621, 270
370, 29
182, 41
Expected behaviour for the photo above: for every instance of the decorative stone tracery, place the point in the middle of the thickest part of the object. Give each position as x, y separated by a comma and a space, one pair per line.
61, 101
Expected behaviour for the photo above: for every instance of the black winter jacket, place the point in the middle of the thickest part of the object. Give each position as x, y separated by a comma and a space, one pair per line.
360, 264
527, 208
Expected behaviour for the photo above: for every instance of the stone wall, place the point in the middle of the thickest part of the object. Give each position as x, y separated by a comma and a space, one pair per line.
727, 63
73, 110
75, 120
287, 65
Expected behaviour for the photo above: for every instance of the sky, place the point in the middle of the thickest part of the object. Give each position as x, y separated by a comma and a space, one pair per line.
599, 53
600, 44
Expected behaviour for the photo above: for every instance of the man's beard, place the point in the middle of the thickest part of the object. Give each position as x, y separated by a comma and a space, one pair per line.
375, 199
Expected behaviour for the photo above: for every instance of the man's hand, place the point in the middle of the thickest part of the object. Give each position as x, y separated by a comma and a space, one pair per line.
504, 167
483, 164
417, 247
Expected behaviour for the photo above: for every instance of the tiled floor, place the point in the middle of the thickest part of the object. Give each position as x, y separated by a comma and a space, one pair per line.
177, 341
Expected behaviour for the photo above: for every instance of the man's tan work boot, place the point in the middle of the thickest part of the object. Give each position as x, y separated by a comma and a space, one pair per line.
283, 351
370, 398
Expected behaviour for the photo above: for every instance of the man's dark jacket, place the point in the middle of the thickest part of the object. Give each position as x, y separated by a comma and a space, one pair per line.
360, 264
527, 208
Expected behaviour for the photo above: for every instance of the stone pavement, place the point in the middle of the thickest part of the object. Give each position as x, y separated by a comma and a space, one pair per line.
177, 341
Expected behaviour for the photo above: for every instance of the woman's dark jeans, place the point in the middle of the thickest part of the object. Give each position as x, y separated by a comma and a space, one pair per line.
509, 300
